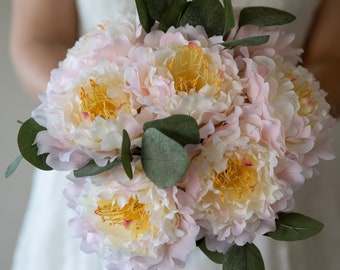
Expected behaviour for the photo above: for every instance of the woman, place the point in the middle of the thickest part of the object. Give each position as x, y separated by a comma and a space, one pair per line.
42, 32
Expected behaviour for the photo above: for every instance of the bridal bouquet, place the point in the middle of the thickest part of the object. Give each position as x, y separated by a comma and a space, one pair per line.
190, 124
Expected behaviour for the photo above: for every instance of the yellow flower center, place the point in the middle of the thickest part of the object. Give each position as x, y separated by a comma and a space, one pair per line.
95, 102
190, 69
238, 180
305, 95
305, 100
132, 216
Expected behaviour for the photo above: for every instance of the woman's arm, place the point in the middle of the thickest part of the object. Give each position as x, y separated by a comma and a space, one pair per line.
42, 31
322, 55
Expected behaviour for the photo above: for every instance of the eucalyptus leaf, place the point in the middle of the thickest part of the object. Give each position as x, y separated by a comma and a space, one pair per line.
181, 128
26, 138
172, 17
164, 160
13, 166
264, 16
294, 227
126, 154
144, 17
215, 256
207, 13
251, 41
229, 17
247, 257
157, 9
92, 168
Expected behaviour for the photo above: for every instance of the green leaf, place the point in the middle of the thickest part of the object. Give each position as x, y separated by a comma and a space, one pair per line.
126, 154
181, 128
215, 256
164, 160
294, 227
172, 17
157, 9
207, 13
92, 168
264, 16
13, 166
247, 257
229, 17
144, 17
26, 138
251, 41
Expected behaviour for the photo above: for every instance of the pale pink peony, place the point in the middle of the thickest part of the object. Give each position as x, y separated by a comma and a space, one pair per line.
111, 41
132, 224
299, 104
87, 117
187, 73
237, 192
86, 105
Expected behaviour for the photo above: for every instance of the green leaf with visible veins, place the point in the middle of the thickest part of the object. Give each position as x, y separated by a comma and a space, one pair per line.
126, 154
91, 168
251, 41
172, 17
164, 160
207, 13
229, 17
158, 9
26, 139
294, 227
179, 127
144, 17
247, 257
264, 16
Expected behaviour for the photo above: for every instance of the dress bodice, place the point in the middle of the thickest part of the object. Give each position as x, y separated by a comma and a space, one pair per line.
91, 14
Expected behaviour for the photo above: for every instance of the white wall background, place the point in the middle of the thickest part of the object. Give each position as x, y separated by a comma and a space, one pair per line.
14, 105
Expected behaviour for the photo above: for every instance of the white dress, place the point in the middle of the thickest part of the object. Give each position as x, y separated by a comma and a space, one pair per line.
44, 243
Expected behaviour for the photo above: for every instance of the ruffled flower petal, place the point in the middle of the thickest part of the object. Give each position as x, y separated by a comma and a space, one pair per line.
132, 223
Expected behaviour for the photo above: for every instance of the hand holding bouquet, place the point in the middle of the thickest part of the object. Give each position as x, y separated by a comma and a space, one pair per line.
180, 129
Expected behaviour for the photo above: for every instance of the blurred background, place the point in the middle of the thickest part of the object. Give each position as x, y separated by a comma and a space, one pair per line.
15, 105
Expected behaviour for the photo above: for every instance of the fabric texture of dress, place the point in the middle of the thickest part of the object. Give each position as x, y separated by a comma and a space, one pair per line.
44, 242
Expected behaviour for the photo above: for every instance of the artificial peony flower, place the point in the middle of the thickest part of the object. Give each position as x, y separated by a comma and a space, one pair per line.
187, 73
111, 41
298, 102
132, 224
236, 189
86, 119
